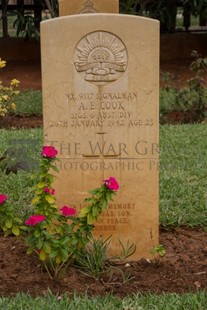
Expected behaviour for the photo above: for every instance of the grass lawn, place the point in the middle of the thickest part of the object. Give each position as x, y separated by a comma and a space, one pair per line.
29, 102
183, 175
136, 302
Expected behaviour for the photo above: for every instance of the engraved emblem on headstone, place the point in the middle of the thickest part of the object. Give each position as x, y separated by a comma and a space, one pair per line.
88, 7
100, 57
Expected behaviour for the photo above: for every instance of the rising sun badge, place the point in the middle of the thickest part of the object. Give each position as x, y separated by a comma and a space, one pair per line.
100, 57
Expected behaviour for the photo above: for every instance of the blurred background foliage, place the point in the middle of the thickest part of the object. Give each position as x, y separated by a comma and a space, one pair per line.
25, 15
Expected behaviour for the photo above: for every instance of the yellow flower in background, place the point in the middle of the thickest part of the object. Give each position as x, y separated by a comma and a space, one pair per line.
16, 92
5, 97
2, 63
7, 94
13, 106
15, 82
3, 112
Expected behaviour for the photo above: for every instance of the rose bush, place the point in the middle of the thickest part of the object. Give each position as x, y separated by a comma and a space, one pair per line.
57, 235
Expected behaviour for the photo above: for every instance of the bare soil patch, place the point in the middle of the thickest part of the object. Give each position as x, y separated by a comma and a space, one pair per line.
23, 122
182, 269
27, 72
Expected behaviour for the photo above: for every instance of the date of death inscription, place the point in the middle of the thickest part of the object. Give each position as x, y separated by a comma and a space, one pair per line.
102, 109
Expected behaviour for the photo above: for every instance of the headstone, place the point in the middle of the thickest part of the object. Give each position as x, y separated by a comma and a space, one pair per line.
87, 6
100, 79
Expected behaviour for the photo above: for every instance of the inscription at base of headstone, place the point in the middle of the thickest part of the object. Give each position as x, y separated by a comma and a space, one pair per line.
100, 102
87, 6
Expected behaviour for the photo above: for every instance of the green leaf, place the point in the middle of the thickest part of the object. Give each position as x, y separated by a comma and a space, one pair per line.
90, 219
8, 223
95, 211
41, 184
50, 199
104, 204
39, 244
38, 191
15, 230
42, 175
7, 232
108, 195
92, 200
66, 240
55, 168
43, 255
53, 254
94, 191
50, 178
84, 211
37, 233
30, 251
58, 259
64, 255
35, 200
46, 247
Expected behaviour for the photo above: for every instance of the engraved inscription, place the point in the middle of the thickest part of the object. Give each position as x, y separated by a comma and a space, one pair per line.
108, 109
116, 214
102, 109
88, 7
112, 216
100, 57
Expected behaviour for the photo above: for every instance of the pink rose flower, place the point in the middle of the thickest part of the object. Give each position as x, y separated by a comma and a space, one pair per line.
3, 198
68, 211
34, 220
112, 184
49, 151
51, 192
